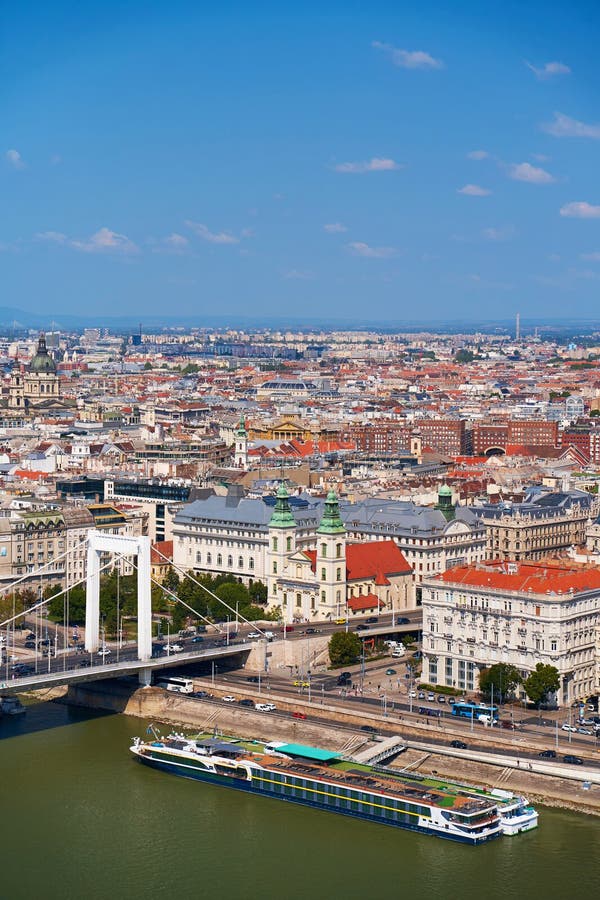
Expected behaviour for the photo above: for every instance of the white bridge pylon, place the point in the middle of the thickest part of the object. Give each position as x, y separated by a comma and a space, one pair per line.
99, 543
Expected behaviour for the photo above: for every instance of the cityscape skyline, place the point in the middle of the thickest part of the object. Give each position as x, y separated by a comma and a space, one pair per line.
348, 165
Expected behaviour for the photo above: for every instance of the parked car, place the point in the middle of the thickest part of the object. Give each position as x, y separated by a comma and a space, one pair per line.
459, 745
584, 731
344, 679
547, 754
253, 635
29, 645
573, 760
298, 715
441, 698
264, 707
567, 727
412, 693
228, 699
246, 702
430, 697
255, 679
507, 723
421, 695
370, 728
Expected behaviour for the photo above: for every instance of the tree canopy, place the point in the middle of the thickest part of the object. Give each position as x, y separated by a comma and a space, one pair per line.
502, 677
542, 681
344, 648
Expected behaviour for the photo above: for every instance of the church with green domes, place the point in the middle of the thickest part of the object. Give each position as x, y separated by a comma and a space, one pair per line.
35, 390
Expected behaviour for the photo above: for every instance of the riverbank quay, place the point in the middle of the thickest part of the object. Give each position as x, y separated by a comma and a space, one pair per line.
568, 787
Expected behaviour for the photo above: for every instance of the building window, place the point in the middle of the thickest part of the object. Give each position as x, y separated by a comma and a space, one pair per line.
288, 544
275, 568
323, 549
323, 597
338, 574
275, 543
208, 559
298, 599
323, 574
241, 562
338, 550
198, 557
251, 562
219, 559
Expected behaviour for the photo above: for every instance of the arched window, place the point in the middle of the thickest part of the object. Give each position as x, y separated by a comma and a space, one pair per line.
219, 559
338, 550
208, 559
288, 544
338, 574
323, 574
323, 597
230, 561
298, 571
198, 557
251, 562
275, 568
241, 562
299, 599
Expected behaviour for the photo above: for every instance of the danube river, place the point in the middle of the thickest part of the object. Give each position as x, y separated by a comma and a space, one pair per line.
82, 819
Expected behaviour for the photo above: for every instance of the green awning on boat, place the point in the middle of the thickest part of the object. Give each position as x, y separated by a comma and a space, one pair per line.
305, 752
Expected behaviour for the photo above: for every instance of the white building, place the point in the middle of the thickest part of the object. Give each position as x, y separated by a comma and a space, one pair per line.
520, 613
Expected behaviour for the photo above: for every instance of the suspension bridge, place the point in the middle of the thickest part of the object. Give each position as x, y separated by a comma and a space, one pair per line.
56, 662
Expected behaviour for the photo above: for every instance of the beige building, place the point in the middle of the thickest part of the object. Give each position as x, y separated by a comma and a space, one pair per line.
520, 613
533, 530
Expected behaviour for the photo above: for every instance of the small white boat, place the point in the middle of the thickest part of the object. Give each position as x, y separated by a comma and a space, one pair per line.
516, 813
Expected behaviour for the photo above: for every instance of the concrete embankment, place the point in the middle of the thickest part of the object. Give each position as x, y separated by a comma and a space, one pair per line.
343, 731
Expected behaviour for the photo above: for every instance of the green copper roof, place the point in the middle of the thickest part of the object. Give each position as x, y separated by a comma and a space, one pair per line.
445, 491
331, 523
444, 504
42, 362
241, 431
282, 514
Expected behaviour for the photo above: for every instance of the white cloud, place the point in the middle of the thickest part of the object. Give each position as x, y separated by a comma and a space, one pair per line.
14, 158
591, 257
580, 210
548, 70
375, 164
298, 275
334, 228
565, 126
409, 59
103, 241
213, 237
474, 190
477, 154
532, 174
499, 234
54, 237
173, 243
359, 248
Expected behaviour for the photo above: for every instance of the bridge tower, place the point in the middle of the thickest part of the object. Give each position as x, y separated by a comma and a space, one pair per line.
99, 543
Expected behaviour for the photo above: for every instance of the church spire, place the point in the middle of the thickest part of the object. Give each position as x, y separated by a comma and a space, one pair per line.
331, 523
282, 514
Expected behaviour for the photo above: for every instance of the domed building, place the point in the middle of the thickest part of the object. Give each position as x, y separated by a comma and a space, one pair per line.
38, 388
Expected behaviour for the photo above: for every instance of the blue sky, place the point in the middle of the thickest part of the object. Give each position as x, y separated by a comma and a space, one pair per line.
355, 160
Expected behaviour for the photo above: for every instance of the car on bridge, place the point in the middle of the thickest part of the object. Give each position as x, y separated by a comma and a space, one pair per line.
299, 683
172, 648
104, 651
198, 639
403, 621
362, 627
253, 635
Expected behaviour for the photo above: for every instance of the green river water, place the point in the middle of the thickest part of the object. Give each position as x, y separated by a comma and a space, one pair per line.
82, 819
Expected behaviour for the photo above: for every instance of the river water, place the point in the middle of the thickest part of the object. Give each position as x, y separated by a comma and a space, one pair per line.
82, 819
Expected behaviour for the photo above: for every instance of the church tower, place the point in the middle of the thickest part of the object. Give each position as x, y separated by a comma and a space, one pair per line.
241, 446
282, 543
445, 504
331, 560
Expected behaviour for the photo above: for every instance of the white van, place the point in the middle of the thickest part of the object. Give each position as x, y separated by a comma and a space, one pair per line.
486, 720
398, 651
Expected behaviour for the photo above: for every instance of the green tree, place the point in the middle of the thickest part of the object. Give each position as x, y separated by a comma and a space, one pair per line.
464, 356
502, 677
542, 681
171, 580
147, 366
344, 648
258, 592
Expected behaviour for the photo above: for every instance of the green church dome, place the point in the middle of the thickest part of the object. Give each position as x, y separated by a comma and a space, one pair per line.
42, 362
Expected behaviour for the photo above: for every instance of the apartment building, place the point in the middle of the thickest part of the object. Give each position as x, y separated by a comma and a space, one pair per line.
520, 613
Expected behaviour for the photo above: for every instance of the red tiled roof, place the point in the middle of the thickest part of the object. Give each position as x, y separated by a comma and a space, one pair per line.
164, 547
374, 558
536, 578
364, 602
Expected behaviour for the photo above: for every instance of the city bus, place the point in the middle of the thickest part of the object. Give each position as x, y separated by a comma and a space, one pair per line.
475, 711
179, 685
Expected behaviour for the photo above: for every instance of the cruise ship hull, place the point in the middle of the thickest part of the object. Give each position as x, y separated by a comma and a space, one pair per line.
186, 771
